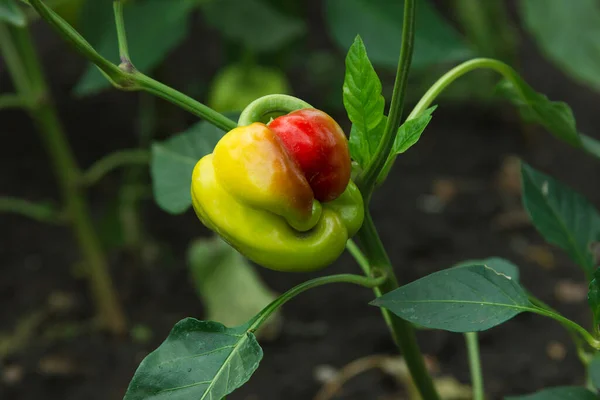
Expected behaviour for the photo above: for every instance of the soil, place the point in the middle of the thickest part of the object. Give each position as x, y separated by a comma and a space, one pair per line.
442, 204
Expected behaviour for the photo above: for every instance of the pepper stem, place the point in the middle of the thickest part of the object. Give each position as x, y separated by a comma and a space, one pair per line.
377, 278
270, 106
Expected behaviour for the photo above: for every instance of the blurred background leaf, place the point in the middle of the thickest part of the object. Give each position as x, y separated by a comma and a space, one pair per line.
154, 28
488, 28
173, 161
562, 216
568, 32
231, 289
253, 23
594, 371
379, 23
11, 13
558, 393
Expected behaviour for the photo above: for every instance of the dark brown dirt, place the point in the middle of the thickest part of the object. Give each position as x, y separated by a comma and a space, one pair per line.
465, 145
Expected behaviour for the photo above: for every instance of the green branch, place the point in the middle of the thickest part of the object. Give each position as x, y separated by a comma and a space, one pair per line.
570, 325
126, 64
368, 282
366, 182
12, 101
590, 145
113, 161
358, 255
37, 211
126, 78
475, 365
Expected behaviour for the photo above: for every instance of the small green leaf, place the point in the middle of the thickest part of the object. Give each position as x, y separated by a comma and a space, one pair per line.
173, 161
410, 132
558, 393
154, 28
534, 107
200, 360
562, 216
594, 371
237, 85
379, 23
556, 25
230, 288
465, 299
11, 13
364, 103
253, 23
497, 264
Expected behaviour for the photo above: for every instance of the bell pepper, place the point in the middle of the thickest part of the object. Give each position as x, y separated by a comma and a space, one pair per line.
281, 193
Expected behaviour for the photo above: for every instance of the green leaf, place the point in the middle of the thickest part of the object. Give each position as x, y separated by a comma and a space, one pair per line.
379, 23
534, 107
410, 132
11, 13
364, 103
154, 28
201, 360
173, 161
230, 288
556, 25
237, 85
253, 23
497, 264
594, 371
466, 299
558, 393
562, 216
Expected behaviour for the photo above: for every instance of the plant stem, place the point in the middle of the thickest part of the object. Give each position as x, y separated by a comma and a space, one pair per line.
583, 355
11, 101
272, 105
183, 101
113, 161
401, 330
133, 180
358, 255
121, 35
129, 78
588, 144
571, 325
445, 80
368, 282
24, 67
375, 254
475, 365
367, 180
39, 212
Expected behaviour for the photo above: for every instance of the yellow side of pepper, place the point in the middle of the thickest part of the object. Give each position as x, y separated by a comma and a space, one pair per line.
251, 164
267, 238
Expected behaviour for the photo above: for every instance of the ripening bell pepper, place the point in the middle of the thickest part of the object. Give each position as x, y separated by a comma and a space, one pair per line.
281, 193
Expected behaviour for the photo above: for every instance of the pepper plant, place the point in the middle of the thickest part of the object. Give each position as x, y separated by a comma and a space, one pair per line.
280, 186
